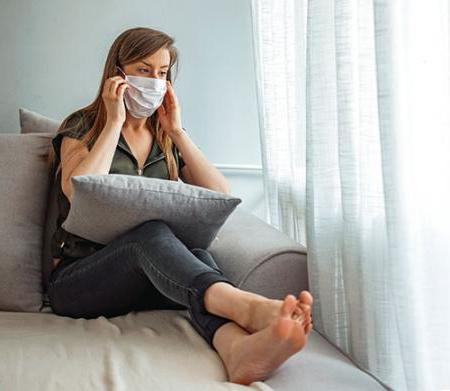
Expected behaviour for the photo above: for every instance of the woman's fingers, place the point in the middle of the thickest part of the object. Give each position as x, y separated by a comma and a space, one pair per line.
112, 95
121, 90
107, 88
168, 102
115, 83
111, 85
162, 110
171, 97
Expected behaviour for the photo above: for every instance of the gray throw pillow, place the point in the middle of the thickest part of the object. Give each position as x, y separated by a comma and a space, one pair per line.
32, 122
24, 178
105, 206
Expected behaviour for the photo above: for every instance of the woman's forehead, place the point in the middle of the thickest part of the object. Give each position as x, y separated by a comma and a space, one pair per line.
157, 59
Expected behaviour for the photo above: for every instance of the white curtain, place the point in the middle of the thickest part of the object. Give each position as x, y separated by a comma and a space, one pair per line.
354, 107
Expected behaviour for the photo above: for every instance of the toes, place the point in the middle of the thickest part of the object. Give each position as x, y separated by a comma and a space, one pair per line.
288, 307
298, 314
303, 314
306, 298
306, 309
304, 302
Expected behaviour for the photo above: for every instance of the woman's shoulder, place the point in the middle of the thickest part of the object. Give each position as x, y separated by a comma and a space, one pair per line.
75, 125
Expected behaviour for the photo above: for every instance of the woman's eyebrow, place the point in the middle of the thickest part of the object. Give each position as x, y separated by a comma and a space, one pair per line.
150, 65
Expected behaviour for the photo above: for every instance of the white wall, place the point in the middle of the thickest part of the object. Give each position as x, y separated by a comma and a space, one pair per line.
52, 56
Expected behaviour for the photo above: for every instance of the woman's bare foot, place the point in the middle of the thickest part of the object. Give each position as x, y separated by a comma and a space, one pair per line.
262, 311
254, 357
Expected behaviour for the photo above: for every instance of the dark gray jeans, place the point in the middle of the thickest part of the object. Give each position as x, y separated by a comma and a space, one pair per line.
145, 268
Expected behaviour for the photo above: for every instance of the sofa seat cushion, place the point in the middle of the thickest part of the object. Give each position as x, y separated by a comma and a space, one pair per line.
146, 350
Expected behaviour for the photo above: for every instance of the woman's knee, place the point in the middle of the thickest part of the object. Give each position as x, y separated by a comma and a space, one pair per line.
198, 251
206, 257
152, 229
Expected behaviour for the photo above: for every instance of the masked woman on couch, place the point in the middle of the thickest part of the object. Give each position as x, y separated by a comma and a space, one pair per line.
134, 127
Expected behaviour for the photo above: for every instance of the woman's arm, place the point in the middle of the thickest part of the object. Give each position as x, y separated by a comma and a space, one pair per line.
99, 159
96, 161
198, 170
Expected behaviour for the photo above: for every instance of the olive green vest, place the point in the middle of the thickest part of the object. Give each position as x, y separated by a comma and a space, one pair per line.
66, 245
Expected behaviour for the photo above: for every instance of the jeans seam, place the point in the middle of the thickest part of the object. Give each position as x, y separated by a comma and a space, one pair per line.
88, 267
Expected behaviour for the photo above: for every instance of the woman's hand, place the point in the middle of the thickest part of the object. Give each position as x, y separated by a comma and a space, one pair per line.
170, 112
112, 95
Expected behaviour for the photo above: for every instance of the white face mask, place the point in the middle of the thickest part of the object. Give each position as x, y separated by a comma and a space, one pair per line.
144, 95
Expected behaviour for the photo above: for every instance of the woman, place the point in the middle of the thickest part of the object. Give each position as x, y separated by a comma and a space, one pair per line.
134, 127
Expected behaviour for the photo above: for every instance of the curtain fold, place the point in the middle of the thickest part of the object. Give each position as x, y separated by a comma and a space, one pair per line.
354, 105
279, 39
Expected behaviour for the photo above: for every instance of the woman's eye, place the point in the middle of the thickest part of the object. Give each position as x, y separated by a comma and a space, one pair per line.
146, 71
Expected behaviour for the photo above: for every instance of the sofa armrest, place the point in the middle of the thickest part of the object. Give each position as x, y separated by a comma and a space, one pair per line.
259, 258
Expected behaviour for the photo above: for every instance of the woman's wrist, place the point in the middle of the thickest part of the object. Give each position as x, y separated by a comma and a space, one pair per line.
177, 133
113, 123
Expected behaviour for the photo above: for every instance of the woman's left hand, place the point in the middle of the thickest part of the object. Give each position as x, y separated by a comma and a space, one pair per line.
170, 112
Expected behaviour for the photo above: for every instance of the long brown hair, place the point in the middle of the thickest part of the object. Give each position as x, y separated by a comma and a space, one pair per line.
130, 46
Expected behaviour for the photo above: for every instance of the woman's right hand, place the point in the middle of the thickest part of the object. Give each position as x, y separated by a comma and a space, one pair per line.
112, 95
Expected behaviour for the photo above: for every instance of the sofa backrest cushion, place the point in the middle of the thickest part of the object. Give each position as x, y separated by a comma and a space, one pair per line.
24, 185
32, 122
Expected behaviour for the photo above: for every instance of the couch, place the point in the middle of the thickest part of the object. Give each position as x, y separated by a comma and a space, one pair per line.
146, 350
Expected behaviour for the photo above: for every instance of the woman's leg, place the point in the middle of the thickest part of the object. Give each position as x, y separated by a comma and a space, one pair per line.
204, 322
154, 299
105, 283
113, 280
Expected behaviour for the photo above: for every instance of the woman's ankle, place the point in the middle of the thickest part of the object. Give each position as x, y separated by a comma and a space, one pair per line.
230, 302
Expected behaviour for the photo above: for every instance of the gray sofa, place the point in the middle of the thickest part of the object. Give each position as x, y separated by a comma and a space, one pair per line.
147, 350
